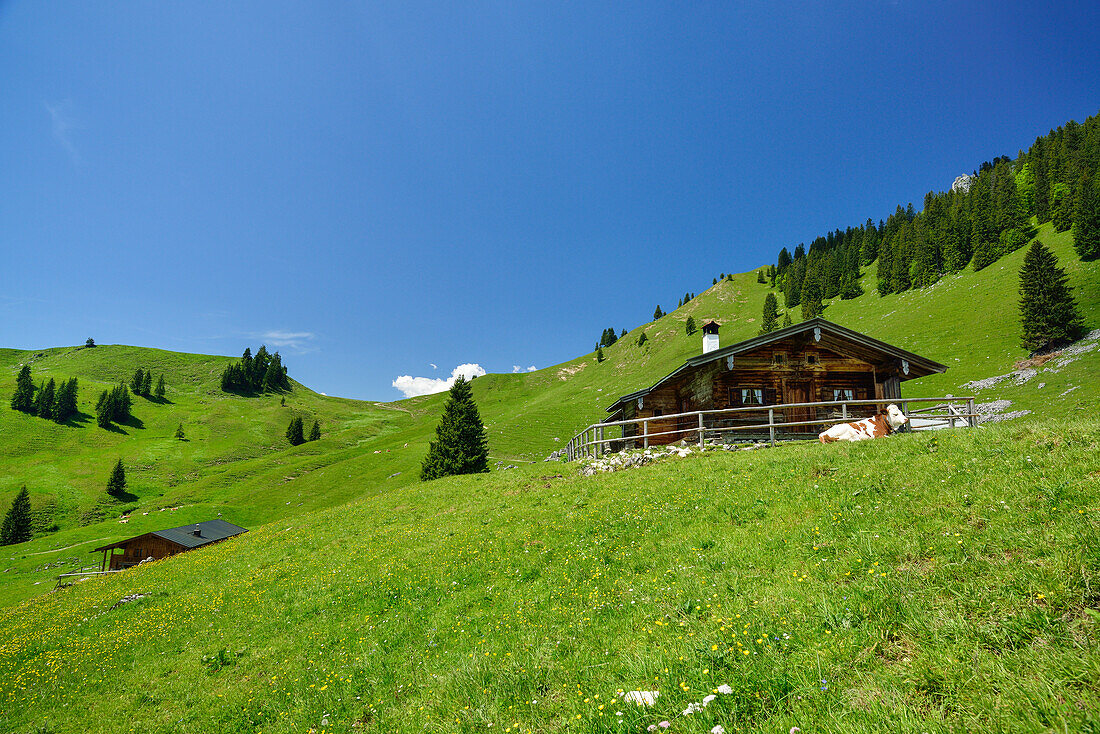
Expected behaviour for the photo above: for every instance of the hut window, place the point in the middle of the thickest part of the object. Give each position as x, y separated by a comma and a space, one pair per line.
657, 412
811, 359
752, 396
779, 359
844, 393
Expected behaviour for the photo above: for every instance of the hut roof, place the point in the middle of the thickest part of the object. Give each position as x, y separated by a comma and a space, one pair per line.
831, 336
209, 531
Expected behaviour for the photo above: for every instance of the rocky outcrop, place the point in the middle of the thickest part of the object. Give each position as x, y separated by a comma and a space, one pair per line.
962, 184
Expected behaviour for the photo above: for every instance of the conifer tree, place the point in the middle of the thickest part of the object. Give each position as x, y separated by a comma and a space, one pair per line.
1048, 312
23, 397
786, 319
116, 485
89, 343
137, 381
294, 432
147, 384
599, 353
642, 339
160, 388
461, 444
104, 410
315, 432
1086, 223
43, 402
622, 333
689, 325
658, 313
179, 432
811, 298
64, 403
17, 521
760, 277
714, 281
770, 320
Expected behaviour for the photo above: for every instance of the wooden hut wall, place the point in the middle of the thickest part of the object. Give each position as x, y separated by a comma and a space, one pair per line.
139, 549
793, 371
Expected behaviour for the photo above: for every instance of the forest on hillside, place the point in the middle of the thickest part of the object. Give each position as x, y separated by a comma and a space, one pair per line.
983, 217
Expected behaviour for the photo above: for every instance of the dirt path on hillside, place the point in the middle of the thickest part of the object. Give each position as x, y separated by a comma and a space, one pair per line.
57, 550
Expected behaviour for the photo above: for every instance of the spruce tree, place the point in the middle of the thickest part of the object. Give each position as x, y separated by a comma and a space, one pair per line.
642, 339
622, 334
1086, 223
17, 521
179, 433
599, 353
1047, 310
760, 277
689, 325
89, 343
116, 485
658, 313
43, 402
786, 319
315, 432
23, 397
160, 388
104, 410
770, 320
147, 384
294, 432
137, 381
460, 445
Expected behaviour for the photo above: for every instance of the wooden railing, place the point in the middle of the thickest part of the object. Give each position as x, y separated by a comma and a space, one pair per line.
594, 441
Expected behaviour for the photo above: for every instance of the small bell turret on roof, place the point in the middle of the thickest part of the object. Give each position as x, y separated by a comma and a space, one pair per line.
710, 336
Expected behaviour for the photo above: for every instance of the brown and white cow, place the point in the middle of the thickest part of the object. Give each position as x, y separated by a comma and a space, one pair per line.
881, 425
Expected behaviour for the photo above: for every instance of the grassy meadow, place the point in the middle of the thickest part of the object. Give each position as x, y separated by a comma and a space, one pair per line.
920, 583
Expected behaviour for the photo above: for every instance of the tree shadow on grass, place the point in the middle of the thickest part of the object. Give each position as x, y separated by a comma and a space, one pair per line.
124, 497
133, 422
115, 429
78, 419
159, 401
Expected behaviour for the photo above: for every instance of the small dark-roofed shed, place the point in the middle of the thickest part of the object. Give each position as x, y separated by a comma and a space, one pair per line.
163, 543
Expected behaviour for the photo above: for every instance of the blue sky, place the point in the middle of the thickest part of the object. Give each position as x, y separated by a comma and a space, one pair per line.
375, 189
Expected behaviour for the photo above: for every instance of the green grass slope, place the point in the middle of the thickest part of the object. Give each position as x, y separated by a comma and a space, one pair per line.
235, 460
919, 583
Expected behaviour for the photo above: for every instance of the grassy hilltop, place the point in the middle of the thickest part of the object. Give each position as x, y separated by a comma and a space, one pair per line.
365, 600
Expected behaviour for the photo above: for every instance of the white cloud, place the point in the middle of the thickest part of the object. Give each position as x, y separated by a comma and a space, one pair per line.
434, 365
297, 340
516, 368
414, 386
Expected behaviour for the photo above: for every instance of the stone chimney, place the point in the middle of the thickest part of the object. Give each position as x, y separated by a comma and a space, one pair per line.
710, 336
197, 532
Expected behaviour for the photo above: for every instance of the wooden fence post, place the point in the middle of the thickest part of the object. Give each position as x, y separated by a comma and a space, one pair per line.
771, 425
844, 411
701, 430
971, 419
645, 434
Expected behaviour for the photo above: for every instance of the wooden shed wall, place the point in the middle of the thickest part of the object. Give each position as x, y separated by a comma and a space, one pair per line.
143, 547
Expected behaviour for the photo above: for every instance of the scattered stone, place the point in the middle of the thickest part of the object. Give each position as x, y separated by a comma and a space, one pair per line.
1069, 390
126, 600
391, 476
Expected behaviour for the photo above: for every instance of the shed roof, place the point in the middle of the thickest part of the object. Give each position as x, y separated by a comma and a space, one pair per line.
832, 336
210, 531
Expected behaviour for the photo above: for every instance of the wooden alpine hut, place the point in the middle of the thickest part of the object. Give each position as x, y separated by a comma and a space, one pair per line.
811, 362
163, 543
